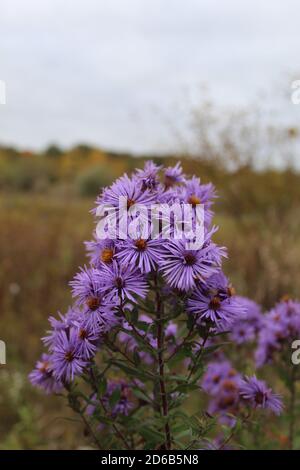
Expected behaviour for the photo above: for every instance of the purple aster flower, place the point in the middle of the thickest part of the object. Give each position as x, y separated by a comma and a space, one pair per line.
86, 287
98, 309
216, 304
143, 253
123, 282
88, 340
247, 326
215, 374
127, 188
241, 332
149, 175
42, 376
101, 251
221, 381
66, 359
279, 327
259, 395
124, 404
195, 193
173, 175
183, 268
268, 345
62, 324
171, 330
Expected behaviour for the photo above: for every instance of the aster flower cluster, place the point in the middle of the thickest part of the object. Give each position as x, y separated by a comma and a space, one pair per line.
145, 314
247, 326
280, 326
231, 394
122, 406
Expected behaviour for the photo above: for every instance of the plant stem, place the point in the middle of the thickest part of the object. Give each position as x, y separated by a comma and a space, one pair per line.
90, 429
161, 365
292, 408
77, 408
179, 346
201, 349
114, 426
115, 348
232, 433
141, 337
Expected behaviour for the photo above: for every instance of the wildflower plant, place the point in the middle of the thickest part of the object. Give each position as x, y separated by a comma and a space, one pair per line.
279, 328
147, 317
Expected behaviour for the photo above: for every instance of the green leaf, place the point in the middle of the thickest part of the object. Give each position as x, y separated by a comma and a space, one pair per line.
143, 375
115, 397
102, 386
136, 357
141, 395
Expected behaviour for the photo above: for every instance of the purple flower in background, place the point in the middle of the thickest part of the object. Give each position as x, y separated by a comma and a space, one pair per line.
171, 330
268, 345
124, 403
259, 395
42, 376
242, 333
132, 345
229, 392
247, 326
66, 359
123, 282
279, 327
124, 399
221, 381
216, 372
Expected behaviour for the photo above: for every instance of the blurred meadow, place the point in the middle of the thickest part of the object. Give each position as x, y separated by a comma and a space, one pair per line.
45, 199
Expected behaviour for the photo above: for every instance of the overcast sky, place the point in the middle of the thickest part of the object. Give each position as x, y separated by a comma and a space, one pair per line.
109, 72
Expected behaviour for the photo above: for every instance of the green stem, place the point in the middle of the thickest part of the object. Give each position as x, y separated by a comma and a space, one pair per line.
75, 405
161, 365
114, 426
199, 354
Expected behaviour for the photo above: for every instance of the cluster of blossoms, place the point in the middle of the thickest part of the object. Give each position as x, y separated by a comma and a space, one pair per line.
247, 326
122, 406
280, 326
144, 302
230, 393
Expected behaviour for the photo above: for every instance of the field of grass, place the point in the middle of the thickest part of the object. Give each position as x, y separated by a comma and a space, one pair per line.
41, 248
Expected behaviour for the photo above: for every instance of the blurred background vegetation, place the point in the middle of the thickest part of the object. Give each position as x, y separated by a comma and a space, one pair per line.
45, 200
